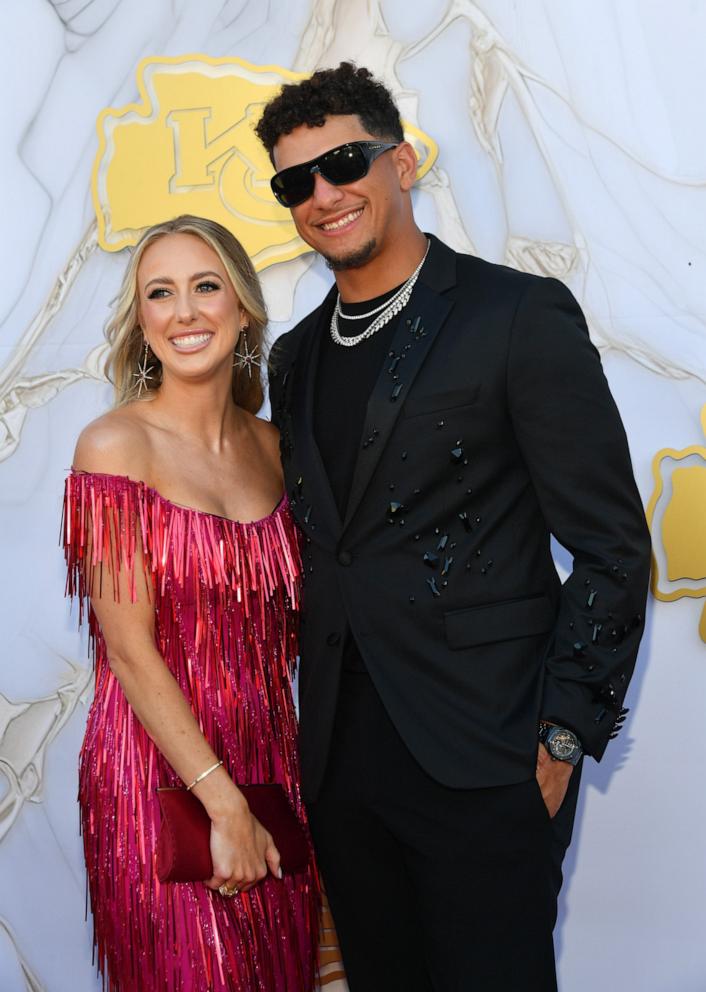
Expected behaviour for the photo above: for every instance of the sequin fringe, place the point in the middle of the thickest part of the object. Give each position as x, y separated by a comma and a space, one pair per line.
226, 599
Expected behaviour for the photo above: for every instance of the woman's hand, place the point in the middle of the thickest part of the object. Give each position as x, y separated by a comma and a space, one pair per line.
241, 849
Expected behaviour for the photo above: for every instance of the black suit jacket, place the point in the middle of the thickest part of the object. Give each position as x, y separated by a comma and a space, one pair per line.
493, 421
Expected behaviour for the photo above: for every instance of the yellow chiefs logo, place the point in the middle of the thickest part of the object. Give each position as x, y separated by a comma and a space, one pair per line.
189, 146
677, 516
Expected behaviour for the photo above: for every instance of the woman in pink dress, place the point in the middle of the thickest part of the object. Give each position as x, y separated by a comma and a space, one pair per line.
180, 541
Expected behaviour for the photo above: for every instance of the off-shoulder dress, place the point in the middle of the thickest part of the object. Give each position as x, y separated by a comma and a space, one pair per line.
226, 600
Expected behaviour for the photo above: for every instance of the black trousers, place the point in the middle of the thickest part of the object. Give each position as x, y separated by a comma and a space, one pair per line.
432, 888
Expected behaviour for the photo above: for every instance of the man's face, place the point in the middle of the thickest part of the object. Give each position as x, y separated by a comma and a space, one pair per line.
352, 223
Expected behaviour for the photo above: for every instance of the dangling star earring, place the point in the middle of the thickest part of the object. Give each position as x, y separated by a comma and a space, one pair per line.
143, 373
246, 358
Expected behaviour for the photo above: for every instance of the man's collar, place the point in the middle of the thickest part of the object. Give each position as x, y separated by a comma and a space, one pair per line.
439, 270
438, 273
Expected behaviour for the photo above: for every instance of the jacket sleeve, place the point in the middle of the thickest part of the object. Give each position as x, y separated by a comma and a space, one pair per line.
574, 445
279, 368
276, 379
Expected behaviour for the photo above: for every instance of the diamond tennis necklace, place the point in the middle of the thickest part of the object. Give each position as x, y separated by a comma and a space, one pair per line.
391, 309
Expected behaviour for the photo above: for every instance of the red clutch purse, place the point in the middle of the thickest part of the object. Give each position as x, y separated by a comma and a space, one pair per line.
183, 844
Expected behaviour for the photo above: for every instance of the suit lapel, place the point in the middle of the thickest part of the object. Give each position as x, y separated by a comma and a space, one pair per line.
416, 332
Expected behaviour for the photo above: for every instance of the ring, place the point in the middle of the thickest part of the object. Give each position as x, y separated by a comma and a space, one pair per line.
227, 892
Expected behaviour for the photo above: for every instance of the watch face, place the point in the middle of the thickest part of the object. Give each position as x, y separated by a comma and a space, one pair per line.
562, 744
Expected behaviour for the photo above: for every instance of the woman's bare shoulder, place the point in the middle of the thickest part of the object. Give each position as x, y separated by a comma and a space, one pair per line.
117, 443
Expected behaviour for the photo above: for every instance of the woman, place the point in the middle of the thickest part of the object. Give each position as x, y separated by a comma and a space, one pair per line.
177, 530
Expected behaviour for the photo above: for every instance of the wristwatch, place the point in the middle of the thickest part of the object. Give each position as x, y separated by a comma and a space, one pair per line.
562, 744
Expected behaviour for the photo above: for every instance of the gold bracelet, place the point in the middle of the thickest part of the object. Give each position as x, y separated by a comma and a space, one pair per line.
202, 776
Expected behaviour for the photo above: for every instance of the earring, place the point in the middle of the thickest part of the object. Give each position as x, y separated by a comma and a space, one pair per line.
143, 373
246, 358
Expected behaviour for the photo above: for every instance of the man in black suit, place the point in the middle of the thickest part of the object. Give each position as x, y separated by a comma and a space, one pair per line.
440, 417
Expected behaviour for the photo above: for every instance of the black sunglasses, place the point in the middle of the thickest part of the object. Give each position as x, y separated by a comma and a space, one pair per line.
338, 166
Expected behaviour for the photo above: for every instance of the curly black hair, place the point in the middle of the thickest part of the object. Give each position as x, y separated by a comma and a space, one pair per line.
344, 90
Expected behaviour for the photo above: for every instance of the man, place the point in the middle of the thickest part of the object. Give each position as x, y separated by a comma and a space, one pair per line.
440, 416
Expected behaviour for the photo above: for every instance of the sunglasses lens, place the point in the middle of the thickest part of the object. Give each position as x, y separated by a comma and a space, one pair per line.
344, 164
293, 185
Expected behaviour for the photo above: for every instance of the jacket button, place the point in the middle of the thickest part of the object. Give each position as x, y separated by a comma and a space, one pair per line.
333, 639
344, 558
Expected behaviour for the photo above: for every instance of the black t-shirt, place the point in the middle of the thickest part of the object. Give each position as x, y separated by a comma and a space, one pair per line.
345, 378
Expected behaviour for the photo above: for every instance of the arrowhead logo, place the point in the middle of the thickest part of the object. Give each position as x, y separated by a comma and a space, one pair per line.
189, 146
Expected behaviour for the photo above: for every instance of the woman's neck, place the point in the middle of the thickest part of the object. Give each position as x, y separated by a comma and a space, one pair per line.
200, 411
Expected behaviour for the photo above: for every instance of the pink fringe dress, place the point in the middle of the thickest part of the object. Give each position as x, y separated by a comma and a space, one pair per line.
226, 600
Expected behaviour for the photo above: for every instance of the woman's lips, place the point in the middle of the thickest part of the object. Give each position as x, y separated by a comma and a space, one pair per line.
193, 341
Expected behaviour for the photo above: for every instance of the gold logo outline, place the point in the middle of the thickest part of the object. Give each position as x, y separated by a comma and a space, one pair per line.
677, 455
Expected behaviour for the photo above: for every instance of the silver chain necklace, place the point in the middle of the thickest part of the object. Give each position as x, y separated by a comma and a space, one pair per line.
391, 309
370, 313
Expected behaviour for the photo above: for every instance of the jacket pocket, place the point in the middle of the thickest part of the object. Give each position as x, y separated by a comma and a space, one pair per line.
503, 621
452, 399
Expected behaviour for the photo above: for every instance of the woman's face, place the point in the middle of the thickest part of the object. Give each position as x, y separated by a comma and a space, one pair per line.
189, 311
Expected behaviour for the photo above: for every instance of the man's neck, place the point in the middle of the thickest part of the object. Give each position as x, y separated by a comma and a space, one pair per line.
384, 271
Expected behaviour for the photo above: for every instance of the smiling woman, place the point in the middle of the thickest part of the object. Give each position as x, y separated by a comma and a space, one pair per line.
181, 546
133, 368
194, 311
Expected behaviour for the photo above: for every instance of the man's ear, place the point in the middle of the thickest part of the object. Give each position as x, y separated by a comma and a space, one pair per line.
406, 159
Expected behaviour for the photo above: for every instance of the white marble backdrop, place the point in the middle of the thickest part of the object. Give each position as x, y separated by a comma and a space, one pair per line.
572, 142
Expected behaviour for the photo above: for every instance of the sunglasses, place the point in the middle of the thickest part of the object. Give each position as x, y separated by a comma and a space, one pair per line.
338, 166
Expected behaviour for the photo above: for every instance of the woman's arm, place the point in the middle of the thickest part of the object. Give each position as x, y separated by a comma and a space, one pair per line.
241, 848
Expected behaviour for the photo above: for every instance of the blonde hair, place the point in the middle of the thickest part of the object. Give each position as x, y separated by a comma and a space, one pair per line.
124, 333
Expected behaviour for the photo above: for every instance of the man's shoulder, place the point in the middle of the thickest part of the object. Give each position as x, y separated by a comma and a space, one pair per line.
496, 274
285, 347
287, 344
506, 290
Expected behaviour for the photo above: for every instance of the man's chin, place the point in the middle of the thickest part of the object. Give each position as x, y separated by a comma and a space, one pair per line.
351, 260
